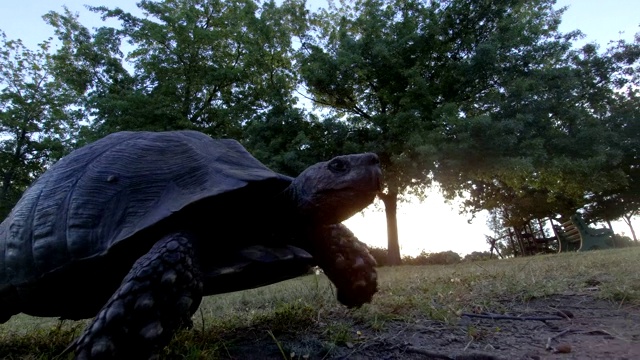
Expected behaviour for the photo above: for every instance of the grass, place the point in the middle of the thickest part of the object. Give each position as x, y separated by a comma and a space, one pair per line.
300, 316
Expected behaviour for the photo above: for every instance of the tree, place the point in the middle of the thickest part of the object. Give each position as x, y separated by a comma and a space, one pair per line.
623, 120
198, 64
287, 139
546, 142
38, 119
93, 64
419, 80
623, 200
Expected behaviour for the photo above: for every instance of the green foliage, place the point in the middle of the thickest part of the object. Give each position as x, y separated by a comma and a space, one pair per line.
206, 65
479, 256
621, 241
623, 121
46, 342
485, 97
38, 119
287, 140
358, 67
439, 258
280, 138
424, 258
554, 134
540, 136
286, 318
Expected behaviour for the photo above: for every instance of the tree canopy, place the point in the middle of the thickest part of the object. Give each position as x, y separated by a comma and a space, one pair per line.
38, 119
202, 65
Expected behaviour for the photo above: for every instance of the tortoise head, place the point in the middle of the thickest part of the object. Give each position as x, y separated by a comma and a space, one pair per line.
332, 191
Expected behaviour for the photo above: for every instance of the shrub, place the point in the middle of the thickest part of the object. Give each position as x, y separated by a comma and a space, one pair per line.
380, 254
424, 258
478, 256
621, 241
440, 258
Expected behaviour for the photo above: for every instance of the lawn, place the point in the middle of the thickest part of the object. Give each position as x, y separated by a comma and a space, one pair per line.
419, 311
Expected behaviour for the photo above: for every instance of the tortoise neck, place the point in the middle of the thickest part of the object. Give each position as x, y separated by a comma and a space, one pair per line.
291, 202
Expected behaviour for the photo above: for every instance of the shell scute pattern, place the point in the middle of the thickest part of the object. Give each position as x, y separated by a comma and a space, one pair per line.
111, 190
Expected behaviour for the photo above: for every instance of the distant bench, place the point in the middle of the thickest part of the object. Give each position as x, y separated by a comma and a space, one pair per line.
576, 235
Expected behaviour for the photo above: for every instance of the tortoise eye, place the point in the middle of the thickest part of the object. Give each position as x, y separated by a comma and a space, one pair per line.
338, 166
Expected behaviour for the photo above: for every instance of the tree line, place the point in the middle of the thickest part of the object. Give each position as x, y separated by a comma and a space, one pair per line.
488, 99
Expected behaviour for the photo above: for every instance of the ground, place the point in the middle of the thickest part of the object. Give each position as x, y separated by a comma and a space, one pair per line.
560, 306
597, 330
586, 328
583, 327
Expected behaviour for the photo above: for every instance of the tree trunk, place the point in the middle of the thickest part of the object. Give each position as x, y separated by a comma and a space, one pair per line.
512, 243
493, 243
6, 183
390, 201
9, 173
613, 239
627, 219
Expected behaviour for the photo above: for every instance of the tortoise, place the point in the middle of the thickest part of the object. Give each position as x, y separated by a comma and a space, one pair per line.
138, 226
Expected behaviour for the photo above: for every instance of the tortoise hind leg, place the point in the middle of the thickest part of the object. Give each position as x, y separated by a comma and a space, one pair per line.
157, 297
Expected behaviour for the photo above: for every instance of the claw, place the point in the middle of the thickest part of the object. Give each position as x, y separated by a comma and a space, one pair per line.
360, 283
152, 330
102, 347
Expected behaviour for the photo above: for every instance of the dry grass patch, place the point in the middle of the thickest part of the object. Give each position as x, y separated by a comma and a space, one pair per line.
302, 317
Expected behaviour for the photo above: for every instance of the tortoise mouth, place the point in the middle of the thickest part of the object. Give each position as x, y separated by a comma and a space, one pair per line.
339, 205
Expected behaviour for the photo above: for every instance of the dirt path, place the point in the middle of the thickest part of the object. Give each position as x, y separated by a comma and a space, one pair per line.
587, 329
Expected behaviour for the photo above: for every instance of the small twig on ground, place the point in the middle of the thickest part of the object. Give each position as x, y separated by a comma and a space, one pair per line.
430, 354
440, 356
468, 344
202, 319
377, 339
564, 313
622, 301
328, 352
557, 349
227, 350
507, 317
478, 265
551, 338
284, 356
597, 332
564, 349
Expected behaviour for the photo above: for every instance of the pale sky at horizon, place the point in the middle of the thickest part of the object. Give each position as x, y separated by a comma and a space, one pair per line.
433, 225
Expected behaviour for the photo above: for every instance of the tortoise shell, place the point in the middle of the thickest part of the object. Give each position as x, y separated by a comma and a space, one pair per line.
105, 193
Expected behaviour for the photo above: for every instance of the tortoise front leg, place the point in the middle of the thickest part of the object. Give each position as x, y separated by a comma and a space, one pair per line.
157, 297
347, 263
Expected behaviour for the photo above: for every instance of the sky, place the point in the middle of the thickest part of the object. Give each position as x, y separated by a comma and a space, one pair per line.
432, 225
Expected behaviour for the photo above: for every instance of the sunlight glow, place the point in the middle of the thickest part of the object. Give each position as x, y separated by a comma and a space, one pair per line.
435, 226
432, 226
